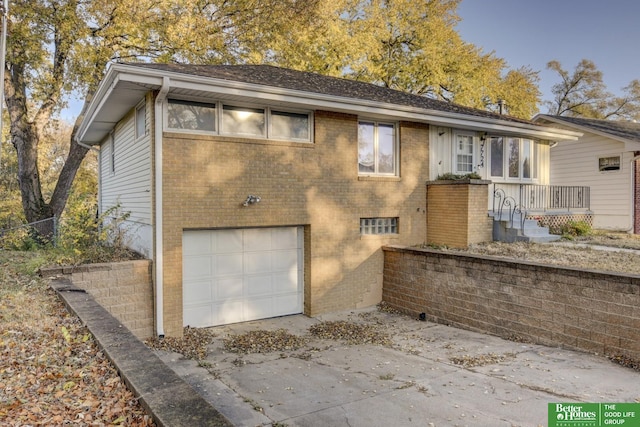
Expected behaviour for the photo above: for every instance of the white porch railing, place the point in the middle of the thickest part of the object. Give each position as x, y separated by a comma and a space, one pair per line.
534, 197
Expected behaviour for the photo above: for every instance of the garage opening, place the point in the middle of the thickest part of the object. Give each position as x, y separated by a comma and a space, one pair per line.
237, 275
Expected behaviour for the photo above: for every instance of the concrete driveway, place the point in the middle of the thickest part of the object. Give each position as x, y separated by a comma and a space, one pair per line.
432, 375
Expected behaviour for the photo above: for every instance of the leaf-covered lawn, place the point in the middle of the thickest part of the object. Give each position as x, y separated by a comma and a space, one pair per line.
51, 371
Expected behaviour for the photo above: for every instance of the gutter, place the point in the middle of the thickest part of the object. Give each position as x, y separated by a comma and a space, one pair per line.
158, 258
340, 103
89, 147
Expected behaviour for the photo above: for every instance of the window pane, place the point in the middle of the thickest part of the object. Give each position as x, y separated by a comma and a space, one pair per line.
289, 125
497, 157
609, 163
243, 121
386, 149
526, 158
191, 116
464, 153
141, 113
514, 157
366, 159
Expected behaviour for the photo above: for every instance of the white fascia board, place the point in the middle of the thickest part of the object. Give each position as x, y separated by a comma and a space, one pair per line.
203, 84
98, 101
114, 75
365, 107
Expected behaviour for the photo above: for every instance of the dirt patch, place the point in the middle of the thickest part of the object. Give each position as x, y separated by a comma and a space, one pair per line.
612, 252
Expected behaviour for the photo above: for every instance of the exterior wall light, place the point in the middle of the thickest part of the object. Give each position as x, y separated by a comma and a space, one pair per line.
250, 200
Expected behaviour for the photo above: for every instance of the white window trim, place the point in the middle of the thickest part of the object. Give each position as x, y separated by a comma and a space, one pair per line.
396, 148
474, 154
609, 172
218, 105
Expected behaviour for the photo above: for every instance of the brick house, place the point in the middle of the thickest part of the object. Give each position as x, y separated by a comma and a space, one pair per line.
259, 191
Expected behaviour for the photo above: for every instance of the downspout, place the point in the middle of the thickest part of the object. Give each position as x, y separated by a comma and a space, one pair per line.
633, 183
158, 259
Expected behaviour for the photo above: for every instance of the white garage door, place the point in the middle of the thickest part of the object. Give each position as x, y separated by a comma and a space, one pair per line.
242, 274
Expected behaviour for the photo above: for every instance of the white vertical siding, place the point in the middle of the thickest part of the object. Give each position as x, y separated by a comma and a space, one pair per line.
543, 163
576, 163
440, 154
130, 184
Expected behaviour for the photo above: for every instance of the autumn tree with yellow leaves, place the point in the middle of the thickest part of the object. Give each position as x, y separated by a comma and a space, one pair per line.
59, 49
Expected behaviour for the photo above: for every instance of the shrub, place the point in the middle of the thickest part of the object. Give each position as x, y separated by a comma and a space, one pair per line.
575, 228
454, 177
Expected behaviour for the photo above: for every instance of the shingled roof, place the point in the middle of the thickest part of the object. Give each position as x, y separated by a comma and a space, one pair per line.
268, 75
622, 129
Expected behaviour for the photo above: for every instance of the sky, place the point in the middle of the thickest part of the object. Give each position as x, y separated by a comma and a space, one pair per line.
533, 32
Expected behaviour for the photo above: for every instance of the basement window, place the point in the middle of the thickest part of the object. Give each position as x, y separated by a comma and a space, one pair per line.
370, 226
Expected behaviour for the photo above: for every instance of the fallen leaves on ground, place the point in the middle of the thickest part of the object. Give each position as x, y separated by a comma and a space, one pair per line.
262, 341
625, 361
352, 333
192, 345
52, 373
468, 361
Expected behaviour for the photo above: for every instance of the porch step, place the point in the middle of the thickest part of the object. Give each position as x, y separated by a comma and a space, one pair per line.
505, 230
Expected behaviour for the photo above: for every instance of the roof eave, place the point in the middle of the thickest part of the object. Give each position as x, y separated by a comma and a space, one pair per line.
147, 79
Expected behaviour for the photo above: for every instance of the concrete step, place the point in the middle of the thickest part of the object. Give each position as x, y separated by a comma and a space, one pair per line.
513, 231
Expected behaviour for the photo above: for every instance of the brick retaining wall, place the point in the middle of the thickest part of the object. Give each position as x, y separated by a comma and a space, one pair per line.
124, 289
585, 310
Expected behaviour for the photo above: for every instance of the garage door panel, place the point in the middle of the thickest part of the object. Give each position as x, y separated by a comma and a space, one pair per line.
257, 262
198, 316
284, 238
260, 284
288, 304
229, 287
259, 308
197, 292
196, 243
229, 312
229, 264
257, 239
285, 260
238, 275
227, 241
285, 283
195, 267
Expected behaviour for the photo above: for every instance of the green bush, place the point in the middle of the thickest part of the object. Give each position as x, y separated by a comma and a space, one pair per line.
454, 177
576, 228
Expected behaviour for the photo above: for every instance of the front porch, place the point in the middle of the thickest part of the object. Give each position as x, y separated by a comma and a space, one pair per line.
528, 211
